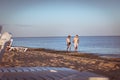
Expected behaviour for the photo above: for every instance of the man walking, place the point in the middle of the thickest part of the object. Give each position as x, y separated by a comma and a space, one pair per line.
76, 42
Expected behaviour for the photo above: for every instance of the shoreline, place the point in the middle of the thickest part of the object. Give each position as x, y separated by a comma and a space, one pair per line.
109, 67
97, 54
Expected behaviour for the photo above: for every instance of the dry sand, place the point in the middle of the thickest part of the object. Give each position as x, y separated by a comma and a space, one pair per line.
109, 67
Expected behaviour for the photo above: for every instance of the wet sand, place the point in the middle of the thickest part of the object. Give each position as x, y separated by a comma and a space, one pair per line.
109, 67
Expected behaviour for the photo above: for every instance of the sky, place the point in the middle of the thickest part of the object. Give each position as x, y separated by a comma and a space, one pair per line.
41, 18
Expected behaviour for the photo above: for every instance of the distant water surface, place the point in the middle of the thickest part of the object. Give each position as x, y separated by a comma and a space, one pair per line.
91, 44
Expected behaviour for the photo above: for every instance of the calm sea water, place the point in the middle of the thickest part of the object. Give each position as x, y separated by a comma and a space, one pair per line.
100, 45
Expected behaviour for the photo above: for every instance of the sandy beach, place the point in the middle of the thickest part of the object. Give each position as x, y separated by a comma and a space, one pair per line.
109, 67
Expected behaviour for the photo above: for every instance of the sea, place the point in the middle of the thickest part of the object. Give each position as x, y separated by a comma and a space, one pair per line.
88, 44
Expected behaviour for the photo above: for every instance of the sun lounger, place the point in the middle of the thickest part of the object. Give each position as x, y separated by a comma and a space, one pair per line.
46, 73
18, 49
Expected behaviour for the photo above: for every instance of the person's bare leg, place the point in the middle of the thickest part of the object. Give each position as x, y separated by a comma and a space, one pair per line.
70, 48
76, 48
67, 48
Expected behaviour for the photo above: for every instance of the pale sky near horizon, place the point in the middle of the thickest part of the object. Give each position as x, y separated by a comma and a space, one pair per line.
35, 18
